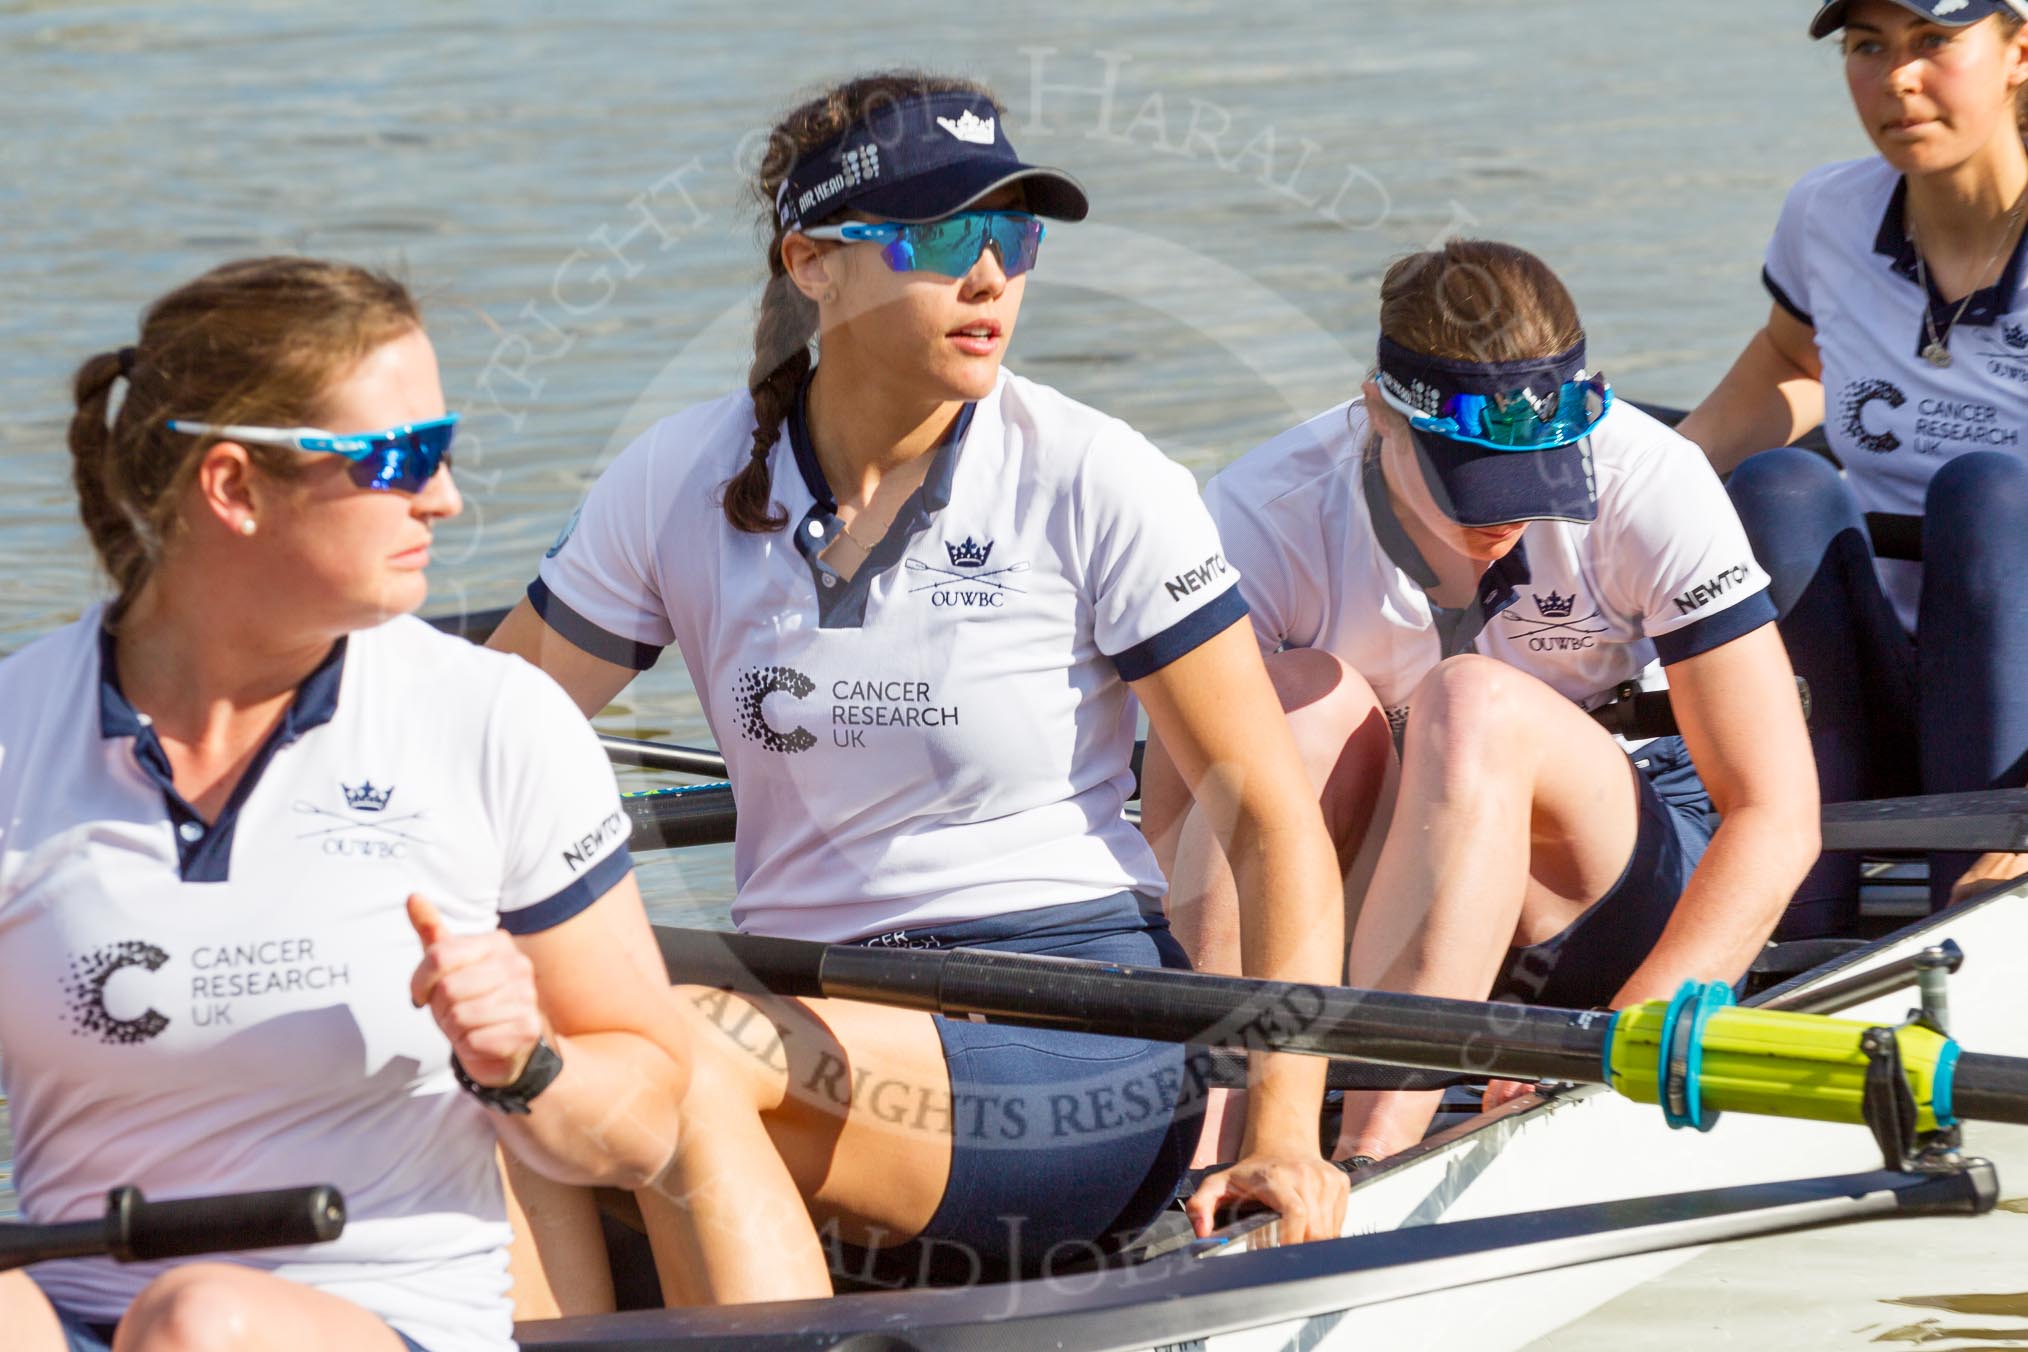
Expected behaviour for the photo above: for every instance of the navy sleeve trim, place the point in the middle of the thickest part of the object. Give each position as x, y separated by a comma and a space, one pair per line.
600, 879
1204, 623
600, 643
1782, 299
1735, 621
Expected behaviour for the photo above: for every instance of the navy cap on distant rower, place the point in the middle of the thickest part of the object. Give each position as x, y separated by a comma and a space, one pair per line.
1950, 13
1500, 441
921, 159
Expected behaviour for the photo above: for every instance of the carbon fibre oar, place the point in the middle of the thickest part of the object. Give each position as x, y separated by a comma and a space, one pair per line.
682, 760
1695, 1055
134, 1229
1989, 819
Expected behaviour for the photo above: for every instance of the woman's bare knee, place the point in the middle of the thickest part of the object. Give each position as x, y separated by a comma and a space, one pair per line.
1469, 708
198, 1307
217, 1307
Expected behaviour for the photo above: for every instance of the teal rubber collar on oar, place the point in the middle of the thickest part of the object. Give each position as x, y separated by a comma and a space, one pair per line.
1940, 1086
1683, 1037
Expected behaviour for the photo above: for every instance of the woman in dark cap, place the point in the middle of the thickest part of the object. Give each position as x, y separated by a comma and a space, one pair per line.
918, 597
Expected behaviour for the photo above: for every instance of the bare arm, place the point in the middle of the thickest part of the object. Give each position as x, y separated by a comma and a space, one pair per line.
1216, 713
1740, 716
591, 682
1773, 394
595, 988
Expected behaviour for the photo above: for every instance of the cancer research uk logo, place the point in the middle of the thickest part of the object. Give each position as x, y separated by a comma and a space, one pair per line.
1852, 405
85, 993
749, 696
363, 829
1941, 427
857, 706
221, 980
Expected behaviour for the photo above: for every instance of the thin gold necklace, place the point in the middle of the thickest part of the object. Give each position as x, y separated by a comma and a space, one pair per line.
860, 544
1936, 351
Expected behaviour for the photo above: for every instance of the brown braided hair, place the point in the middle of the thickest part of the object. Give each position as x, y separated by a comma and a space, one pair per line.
788, 319
255, 341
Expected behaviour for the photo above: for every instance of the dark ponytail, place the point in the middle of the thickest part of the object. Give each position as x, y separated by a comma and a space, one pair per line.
787, 325
781, 362
118, 536
258, 341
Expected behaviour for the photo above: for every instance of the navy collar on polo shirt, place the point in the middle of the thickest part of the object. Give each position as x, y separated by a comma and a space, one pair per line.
204, 851
1982, 309
1498, 586
841, 602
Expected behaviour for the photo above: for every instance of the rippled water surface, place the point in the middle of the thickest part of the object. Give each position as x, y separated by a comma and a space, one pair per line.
562, 183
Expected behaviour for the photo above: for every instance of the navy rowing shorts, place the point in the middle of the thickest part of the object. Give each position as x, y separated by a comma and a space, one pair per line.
1064, 1145
1591, 959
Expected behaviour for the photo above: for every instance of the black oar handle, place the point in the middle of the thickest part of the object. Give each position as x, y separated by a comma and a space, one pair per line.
135, 1229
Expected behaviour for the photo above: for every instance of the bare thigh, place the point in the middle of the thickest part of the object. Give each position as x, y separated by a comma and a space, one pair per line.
1559, 795
855, 1097
1348, 753
26, 1316
218, 1307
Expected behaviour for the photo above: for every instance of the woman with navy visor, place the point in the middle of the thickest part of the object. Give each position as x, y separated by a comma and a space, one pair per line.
1899, 322
916, 595
281, 869
1465, 562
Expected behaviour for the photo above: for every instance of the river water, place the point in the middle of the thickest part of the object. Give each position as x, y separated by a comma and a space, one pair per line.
563, 186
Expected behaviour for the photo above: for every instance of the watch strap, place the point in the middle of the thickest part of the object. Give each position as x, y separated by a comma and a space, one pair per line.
544, 1065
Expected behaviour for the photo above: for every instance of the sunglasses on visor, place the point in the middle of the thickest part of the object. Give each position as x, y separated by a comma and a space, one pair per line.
1517, 421
404, 458
948, 247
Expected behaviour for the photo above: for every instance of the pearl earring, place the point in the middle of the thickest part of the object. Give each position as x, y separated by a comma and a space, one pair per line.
246, 525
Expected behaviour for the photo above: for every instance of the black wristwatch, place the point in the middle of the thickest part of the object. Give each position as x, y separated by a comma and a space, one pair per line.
544, 1065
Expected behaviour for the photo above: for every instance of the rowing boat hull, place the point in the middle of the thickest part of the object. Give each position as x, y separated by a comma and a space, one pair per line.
1392, 1282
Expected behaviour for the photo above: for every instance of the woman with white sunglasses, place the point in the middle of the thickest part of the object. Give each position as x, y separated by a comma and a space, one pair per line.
917, 596
1459, 577
293, 888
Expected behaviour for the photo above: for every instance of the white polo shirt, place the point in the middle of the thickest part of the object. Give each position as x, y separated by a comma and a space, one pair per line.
1841, 261
1664, 573
947, 735
202, 1009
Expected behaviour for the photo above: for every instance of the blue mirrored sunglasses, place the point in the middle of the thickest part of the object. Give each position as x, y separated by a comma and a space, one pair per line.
950, 246
406, 457
1518, 421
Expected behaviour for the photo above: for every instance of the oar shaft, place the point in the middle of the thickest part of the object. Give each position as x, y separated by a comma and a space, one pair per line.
1469, 1036
682, 760
22, 1244
1991, 1088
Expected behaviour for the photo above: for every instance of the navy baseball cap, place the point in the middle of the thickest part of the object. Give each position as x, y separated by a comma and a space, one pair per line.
921, 159
1500, 441
1950, 13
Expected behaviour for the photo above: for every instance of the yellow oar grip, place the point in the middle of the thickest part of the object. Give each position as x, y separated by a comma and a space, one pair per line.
1764, 1061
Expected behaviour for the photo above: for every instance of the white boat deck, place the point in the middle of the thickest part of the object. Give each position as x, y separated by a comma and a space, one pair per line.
1965, 1277
1942, 1282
